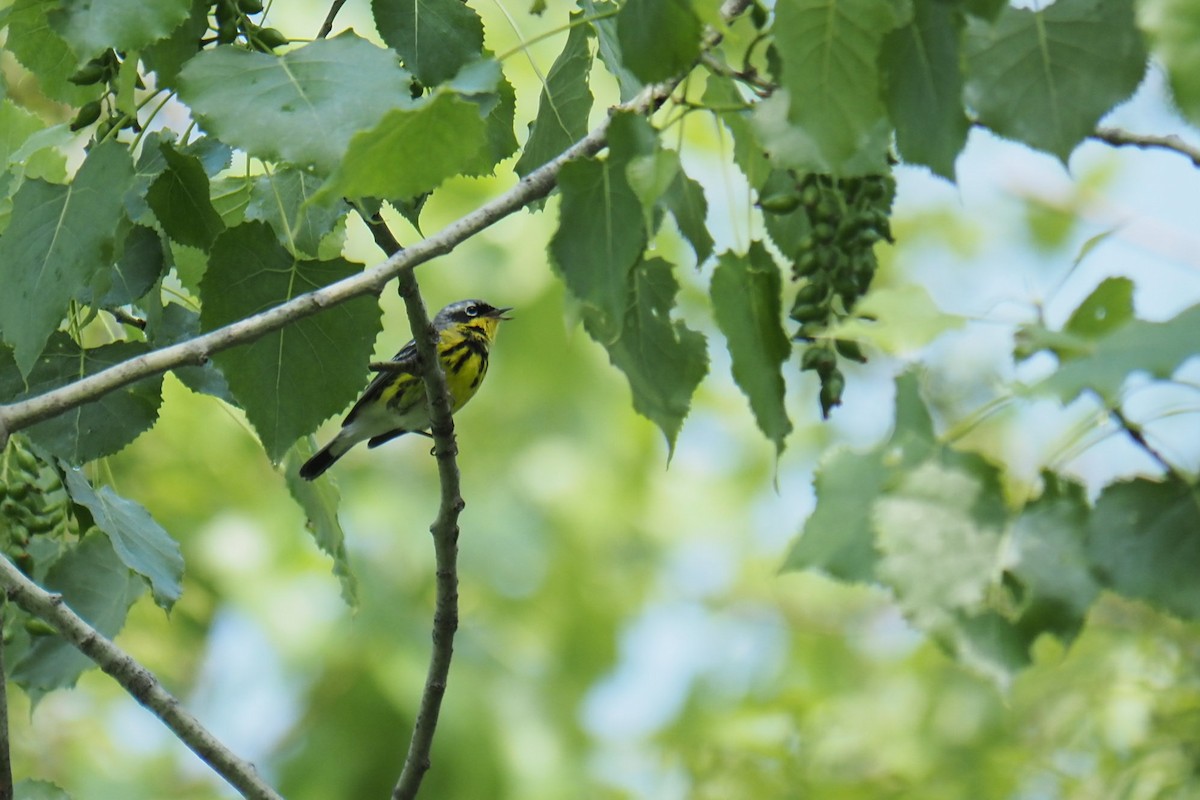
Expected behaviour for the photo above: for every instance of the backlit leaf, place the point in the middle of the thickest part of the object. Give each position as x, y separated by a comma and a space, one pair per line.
565, 103
320, 499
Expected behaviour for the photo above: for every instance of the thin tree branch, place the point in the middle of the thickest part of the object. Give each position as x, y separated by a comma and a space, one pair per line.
6, 778
1134, 431
327, 25
136, 679
1121, 138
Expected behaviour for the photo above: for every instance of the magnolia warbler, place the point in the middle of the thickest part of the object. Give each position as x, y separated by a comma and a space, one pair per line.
394, 403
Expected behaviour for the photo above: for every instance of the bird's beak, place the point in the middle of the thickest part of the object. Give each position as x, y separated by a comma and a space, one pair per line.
499, 313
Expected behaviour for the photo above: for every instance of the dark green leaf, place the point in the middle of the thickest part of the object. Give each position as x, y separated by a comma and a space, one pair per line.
394, 158
330, 89
167, 56
1138, 346
659, 39
746, 302
830, 117
96, 429
923, 87
93, 26
140, 542
663, 360
838, 538
291, 379
685, 200
140, 265
600, 234
1144, 542
284, 200
320, 499
215, 156
1046, 77
434, 37
96, 586
179, 198
1108, 307
38, 46
605, 24
59, 237
564, 106
176, 323
501, 138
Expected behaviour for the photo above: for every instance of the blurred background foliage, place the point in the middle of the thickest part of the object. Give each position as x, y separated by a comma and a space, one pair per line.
626, 631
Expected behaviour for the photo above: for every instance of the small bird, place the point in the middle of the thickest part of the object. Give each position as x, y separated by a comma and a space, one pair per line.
394, 403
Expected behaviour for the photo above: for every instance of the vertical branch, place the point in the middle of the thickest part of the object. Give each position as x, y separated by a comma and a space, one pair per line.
6, 779
444, 528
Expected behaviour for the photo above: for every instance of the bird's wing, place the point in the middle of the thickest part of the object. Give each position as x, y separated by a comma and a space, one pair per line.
406, 360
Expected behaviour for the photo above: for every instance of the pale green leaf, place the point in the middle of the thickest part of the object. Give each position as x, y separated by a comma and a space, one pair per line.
38, 46
565, 103
30, 789
896, 319
1174, 29
320, 499
284, 199
93, 26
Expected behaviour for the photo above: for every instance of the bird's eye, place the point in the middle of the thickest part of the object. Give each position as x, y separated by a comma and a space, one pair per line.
472, 310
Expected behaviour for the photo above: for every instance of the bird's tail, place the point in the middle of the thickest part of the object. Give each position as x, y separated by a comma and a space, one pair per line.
323, 459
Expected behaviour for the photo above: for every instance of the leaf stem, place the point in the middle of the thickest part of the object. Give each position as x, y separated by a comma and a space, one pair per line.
327, 25
1135, 432
136, 679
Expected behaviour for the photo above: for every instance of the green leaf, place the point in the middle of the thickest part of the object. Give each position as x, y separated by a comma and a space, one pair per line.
600, 232
140, 266
167, 56
659, 39
746, 295
30, 789
896, 319
59, 237
394, 158
685, 200
605, 24
923, 87
284, 199
93, 26
96, 586
96, 429
16, 126
829, 117
38, 46
1046, 77
330, 89
139, 541
1138, 346
174, 324
434, 37
292, 379
1108, 307
663, 360
1174, 28
501, 139
1144, 542
320, 499
565, 103
179, 198
837, 538
748, 153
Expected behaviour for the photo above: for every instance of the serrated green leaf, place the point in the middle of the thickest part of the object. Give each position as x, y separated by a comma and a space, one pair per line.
746, 301
600, 232
650, 175
565, 103
320, 499
663, 360
501, 139
1046, 77
1138, 346
179, 198
93, 430
1174, 28
96, 586
331, 89
284, 199
167, 56
394, 158
837, 538
30, 789
434, 37
36, 44
685, 200
140, 542
140, 265
829, 117
292, 379
231, 197
602, 14
1144, 541
659, 39
896, 319
923, 87
59, 237
92, 26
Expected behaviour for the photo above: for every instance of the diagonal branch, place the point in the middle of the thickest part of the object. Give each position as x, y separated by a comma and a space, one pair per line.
136, 679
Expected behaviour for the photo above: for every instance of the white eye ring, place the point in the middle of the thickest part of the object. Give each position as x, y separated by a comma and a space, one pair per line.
472, 310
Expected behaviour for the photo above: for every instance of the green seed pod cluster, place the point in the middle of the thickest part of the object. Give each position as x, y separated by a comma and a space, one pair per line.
232, 20
103, 69
828, 227
33, 502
